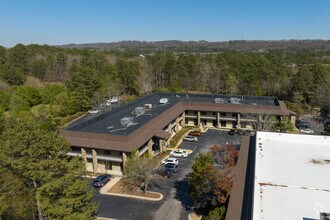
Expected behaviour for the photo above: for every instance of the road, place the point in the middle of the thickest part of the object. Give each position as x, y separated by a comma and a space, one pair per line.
176, 203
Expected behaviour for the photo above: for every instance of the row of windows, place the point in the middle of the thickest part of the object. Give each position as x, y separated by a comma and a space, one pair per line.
107, 164
222, 123
222, 114
89, 151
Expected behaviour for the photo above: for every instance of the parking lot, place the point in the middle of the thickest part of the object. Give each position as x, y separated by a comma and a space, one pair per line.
176, 203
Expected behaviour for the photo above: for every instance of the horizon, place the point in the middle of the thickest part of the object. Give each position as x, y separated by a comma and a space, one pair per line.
77, 22
145, 41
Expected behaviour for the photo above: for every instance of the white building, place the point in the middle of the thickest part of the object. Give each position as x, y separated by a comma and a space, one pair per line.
292, 176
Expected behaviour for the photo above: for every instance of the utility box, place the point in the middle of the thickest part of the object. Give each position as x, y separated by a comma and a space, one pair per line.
163, 101
126, 121
147, 106
139, 110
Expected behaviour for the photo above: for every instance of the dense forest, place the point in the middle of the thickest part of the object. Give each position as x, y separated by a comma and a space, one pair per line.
206, 46
53, 81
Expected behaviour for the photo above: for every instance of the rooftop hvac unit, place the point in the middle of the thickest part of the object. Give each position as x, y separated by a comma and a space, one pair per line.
235, 100
126, 121
219, 100
139, 110
147, 106
163, 101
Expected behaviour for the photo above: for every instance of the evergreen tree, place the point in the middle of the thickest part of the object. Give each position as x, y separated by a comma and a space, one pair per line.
38, 157
82, 86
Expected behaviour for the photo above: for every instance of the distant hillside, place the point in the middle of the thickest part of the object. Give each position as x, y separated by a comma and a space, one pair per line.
205, 46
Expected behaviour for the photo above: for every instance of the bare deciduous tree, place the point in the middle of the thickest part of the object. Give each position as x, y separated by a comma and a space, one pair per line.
141, 171
260, 121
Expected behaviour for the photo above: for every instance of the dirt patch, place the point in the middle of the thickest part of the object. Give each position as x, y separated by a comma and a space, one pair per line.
122, 188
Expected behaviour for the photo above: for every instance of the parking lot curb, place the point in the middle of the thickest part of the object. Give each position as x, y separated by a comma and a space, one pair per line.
137, 197
104, 190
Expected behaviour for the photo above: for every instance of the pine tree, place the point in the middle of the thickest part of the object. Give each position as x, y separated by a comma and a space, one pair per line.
38, 157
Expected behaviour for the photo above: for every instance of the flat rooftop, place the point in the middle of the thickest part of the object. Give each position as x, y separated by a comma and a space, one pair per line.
292, 176
109, 122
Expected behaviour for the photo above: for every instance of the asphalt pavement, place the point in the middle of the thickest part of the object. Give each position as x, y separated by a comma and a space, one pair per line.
176, 203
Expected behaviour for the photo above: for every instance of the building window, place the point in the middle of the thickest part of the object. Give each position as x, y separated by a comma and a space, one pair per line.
223, 114
203, 113
214, 113
234, 114
89, 160
107, 152
76, 149
107, 164
223, 123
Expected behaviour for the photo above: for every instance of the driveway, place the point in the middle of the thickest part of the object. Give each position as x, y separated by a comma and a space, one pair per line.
176, 203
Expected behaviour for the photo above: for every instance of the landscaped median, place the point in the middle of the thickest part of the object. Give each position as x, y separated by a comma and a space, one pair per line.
117, 187
177, 139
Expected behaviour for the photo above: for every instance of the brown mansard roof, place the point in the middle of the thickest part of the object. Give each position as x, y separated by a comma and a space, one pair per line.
97, 133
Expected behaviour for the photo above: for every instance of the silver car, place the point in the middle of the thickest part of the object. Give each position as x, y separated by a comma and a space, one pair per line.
190, 138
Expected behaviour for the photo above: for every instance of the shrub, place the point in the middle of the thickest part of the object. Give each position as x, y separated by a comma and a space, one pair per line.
49, 93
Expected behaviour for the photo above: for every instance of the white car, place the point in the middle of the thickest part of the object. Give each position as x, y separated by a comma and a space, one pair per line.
170, 160
113, 100
178, 153
93, 111
190, 138
306, 131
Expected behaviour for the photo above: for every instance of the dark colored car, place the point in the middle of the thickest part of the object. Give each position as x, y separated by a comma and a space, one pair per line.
166, 173
172, 167
240, 131
195, 133
101, 180
232, 132
249, 133
303, 126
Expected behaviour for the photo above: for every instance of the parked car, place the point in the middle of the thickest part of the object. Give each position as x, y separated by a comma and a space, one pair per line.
172, 167
240, 131
113, 100
306, 131
166, 173
190, 138
101, 180
93, 111
195, 133
249, 132
178, 153
232, 132
170, 160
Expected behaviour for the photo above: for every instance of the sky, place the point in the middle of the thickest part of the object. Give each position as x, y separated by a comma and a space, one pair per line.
57, 22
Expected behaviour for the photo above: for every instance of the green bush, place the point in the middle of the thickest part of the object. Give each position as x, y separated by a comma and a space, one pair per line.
29, 94
18, 104
14, 76
216, 214
49, 93
4, 100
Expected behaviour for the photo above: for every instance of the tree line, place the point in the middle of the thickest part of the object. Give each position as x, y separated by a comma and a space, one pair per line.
203, 46
88, 77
